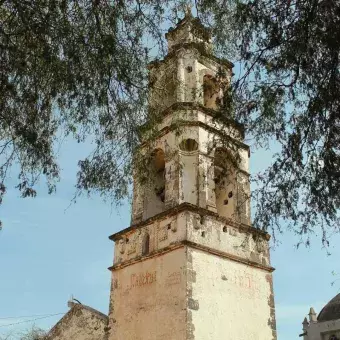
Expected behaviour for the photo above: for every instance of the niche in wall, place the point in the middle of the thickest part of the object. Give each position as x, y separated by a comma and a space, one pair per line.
146, 244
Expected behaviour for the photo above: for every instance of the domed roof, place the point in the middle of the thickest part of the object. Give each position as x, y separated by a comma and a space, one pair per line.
331, 311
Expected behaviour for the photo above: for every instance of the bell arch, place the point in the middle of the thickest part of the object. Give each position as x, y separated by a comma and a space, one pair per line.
189, 170
211, 92
225, 173
154, 193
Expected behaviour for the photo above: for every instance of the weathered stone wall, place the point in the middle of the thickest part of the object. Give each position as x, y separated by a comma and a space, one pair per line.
227, 238
187, 34
229, 300
197, 115
189, 175
149, 299
181, 78
196, 269
194, 260
163, 232
80, 323
163, 79
197, 227
323, 330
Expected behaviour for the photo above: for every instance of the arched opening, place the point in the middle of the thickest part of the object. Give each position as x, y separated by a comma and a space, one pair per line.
189, 170
169, 94
225, 182
211, 90
243, 195
188, 145
155, 188
146, 244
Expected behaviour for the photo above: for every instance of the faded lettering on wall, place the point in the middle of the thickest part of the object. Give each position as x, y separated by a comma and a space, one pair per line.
142, 279
173, 279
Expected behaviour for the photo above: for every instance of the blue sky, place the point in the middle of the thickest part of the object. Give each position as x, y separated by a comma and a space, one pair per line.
49, 251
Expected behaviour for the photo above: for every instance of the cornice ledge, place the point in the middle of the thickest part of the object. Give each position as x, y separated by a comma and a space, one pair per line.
211, 112
141, 258
227, 255
193, 208
194, 245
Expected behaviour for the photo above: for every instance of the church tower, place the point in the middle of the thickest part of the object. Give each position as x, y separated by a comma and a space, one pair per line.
191, 266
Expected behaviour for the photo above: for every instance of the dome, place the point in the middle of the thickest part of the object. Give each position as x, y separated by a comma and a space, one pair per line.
331, 311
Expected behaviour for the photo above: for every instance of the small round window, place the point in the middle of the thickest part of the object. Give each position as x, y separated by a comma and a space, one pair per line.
188, 145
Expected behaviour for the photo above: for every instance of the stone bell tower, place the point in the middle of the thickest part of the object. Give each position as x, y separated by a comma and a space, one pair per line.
191, 266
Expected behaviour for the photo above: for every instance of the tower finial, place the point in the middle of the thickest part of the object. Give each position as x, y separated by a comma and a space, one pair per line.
312, 315
305, 324
188, 8
70, 302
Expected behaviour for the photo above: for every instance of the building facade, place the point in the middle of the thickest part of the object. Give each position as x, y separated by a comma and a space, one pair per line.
325, 326
190, 265
80, 323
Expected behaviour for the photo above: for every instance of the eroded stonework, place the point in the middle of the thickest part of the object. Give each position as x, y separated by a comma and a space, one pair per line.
191, 266
80, 323
197, 227
199, 267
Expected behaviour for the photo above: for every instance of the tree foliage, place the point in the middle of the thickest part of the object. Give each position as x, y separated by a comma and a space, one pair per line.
33, 333
291, 49
79, 68
73, 67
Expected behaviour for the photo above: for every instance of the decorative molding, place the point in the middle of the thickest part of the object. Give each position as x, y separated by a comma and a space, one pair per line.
183, 122
162, 233
173, 225
121, 246
132, 245
194, 245
193, 208
138, 259
198, 47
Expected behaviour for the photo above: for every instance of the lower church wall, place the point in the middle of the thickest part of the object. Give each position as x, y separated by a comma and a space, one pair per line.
149, 299
228, 300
